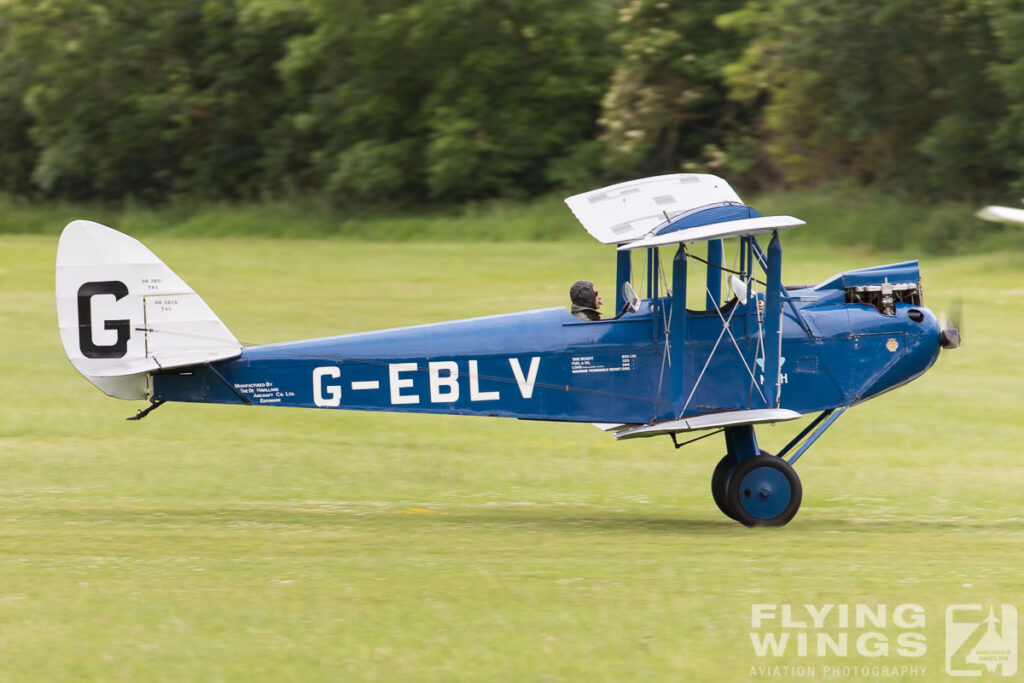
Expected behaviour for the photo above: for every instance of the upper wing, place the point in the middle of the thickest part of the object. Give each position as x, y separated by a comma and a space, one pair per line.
669, 209
631, 210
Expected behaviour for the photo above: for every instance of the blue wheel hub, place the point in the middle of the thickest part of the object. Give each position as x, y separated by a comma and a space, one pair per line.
765, 493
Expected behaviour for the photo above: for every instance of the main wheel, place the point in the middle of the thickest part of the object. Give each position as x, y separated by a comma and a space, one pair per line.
719, 479
763, 491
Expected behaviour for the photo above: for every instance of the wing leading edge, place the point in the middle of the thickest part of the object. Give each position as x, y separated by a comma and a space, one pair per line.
717, 231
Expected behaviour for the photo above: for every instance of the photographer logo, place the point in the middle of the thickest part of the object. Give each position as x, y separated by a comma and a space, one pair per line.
980, 642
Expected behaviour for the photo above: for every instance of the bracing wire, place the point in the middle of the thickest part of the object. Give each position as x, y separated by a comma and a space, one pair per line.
727, 330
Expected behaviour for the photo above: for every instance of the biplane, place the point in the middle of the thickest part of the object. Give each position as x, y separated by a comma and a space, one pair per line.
742, 350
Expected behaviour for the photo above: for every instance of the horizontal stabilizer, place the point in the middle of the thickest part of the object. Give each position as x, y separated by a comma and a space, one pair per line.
1002, 214
712, 421
123, 313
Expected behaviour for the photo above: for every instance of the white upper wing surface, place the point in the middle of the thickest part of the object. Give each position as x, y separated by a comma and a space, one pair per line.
629, 211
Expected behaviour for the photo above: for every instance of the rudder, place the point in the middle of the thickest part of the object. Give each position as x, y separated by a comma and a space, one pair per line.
123, 313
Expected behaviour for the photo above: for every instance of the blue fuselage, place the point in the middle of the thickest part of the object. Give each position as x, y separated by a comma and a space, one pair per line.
547, 365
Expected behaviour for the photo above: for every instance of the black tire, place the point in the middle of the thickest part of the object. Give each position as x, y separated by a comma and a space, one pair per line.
763, 491
719, 479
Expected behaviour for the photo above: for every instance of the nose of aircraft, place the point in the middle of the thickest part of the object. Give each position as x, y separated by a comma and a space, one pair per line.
933, 335
929, 332
925, 338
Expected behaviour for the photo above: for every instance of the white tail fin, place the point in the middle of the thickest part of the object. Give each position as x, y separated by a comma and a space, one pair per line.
123, 313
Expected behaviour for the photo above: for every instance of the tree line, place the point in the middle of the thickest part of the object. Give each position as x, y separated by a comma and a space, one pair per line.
449, 100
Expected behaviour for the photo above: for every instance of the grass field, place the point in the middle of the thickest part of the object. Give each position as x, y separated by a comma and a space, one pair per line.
228, 543
836, 214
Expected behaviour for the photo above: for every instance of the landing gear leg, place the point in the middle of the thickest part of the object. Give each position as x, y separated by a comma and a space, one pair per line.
741, 444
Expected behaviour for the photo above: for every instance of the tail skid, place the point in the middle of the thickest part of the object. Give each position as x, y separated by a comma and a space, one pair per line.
123, 313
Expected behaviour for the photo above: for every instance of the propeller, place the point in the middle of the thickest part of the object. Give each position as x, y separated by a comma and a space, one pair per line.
951, 324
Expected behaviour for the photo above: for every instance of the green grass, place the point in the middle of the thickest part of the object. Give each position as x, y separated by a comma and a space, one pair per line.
239, 544
498, 221
834, 214
837, 214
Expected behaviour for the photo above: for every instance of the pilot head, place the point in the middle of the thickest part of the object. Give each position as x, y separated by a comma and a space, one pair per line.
582, 293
